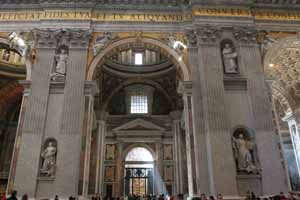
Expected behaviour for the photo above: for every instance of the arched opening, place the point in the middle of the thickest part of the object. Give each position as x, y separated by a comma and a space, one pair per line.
13, 68
281, 67
139, 172
137, 101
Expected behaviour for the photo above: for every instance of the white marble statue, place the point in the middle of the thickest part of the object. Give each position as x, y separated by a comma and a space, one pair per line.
229, 59
49, 159
102, 41
61, 65
16, 42
242, 154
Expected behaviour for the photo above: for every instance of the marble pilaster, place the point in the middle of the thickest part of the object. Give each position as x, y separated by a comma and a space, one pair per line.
100, 156
265, 137
185, 90
34, 119
87, 128
216, 128
178, 143
120, 168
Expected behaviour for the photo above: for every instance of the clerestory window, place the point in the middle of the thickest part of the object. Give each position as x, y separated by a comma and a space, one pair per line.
138, 58
139, 103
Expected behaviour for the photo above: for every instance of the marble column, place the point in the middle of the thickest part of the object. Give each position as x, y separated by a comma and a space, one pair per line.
119, 171
158, 170
32, 129
90, 91
185, 89
293, 121
178, 143
100, 156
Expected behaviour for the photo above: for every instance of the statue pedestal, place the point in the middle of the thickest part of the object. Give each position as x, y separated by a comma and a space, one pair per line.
249, 182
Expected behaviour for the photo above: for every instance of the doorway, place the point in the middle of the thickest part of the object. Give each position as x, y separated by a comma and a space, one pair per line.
139, 172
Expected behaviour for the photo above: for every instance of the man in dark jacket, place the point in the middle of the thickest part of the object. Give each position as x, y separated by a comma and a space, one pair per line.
13, 196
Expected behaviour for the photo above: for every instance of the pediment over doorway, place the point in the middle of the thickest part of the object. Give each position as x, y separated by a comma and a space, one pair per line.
139, 125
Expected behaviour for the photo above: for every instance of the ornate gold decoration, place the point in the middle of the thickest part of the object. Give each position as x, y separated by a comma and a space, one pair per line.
258, 14
89, 15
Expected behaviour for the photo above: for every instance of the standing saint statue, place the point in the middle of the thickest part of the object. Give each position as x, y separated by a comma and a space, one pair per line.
61, 64
242, 154
229, 59
49, 159
61, 59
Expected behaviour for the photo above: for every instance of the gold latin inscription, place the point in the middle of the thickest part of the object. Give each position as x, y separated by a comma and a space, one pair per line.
95, 16
148, 16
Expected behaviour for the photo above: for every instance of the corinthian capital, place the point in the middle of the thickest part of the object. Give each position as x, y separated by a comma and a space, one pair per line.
245, 35
56, 37
191, 37
208, 34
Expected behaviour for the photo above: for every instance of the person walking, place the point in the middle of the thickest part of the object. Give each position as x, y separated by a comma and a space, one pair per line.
13, 195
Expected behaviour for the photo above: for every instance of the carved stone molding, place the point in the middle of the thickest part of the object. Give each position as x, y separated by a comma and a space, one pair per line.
91, 88
74, 38
235, 83
208, 35
191, 37
185, 87
203, 35
102, 41
245, 35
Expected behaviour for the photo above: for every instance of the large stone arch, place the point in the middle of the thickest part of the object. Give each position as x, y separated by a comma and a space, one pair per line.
28, 63
173, 55
283, 98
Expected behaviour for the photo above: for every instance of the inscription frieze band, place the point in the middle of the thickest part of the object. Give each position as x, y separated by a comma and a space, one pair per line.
95, 16
148, 16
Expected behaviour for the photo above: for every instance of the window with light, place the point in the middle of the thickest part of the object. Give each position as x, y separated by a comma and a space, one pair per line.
138, 58
138, 103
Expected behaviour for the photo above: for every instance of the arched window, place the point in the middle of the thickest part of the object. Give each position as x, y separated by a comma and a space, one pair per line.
139, 154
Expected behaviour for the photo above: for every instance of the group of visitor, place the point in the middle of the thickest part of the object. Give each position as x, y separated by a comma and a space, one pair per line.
249, 196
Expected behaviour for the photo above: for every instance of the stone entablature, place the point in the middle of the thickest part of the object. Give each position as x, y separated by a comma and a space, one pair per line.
155, 15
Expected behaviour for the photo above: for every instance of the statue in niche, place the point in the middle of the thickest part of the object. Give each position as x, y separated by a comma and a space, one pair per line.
229, 56
242, 152
49, 159
61, 59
